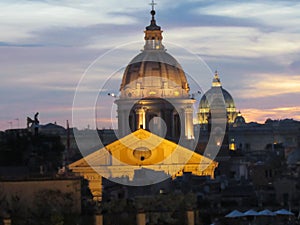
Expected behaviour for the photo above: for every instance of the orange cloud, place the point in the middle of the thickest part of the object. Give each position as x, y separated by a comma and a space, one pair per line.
261, 115
263, 85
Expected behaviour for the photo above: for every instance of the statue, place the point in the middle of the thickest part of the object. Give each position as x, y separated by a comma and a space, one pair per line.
34, 123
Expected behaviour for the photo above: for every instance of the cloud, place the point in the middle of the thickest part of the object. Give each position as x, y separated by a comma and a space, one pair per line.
261, 115
295, 66
282, 14
264, 85
47, 45
235, 41
19, 20
190, 16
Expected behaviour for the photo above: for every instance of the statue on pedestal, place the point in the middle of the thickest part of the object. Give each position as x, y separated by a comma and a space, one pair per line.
34, 123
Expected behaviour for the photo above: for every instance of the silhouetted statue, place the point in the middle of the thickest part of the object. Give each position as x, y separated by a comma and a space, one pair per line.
34, 123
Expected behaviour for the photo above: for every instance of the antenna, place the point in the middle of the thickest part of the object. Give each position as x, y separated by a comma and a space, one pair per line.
17, 119
10, 124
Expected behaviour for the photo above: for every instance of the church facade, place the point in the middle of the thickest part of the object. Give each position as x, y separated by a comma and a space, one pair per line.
158, 158
155, 111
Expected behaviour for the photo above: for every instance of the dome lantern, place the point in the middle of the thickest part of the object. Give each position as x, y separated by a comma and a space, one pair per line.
153, 33
216, 80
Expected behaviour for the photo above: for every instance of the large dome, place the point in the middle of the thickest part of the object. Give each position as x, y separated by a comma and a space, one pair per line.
154, 73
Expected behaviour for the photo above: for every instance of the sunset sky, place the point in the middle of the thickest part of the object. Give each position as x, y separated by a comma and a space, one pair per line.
47, 45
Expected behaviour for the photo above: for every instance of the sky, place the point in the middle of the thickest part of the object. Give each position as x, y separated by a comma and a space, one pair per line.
47, 45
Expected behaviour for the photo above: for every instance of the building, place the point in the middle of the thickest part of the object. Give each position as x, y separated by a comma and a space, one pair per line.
158, 158
155, 92
252, 137
154, 113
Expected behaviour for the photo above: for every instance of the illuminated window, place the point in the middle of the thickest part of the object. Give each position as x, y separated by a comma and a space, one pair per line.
232, 146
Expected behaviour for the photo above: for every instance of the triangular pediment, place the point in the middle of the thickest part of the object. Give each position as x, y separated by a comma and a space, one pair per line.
142, 149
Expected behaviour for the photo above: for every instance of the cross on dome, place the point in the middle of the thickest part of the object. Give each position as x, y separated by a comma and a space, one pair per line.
152, 4
153, 25
153, 33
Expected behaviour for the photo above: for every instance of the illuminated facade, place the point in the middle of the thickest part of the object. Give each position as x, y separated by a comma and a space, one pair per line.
136, 151
204, 107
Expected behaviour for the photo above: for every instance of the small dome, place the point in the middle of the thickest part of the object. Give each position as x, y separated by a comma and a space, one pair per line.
216, 84
204, 106
227, 98
239, 120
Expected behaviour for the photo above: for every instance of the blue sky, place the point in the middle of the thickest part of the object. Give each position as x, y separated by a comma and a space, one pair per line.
46, 46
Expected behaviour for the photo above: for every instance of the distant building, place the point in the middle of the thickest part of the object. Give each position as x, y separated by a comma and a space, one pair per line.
250, 137
52, 129
204, 112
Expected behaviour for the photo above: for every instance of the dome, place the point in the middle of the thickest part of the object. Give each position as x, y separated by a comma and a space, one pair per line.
227, 98
204, 107
239, 120
154, 73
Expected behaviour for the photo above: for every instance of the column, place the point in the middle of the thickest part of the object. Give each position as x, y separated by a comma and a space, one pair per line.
141, 118
190, 217
189, 128
98, 219
182, 122
159, 124
122, 123
169, 122
141, 218
95, 185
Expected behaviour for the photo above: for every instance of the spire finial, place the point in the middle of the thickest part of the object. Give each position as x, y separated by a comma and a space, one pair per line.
153, 11
216, 73
216, 80
153, 4
153, 25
